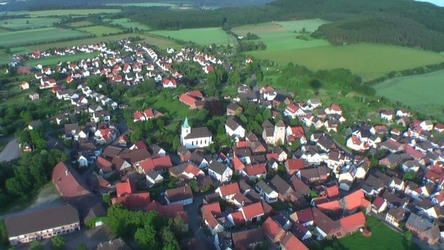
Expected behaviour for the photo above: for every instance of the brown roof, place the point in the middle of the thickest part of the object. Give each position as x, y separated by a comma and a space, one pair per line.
291, 242
111, 151
136, 155
248, 237
299, 186
41, 220
323, 222
68, 182
116, 244
179, 194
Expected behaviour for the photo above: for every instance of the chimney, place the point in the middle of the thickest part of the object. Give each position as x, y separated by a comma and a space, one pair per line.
66, 172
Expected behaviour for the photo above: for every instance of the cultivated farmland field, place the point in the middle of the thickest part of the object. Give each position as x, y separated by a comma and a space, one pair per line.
26, 37
127, 23
99, 30
422, 92
142, 4
80, 24
55, 59
28, 23
369, 61
310, 25
76, 12
199, 36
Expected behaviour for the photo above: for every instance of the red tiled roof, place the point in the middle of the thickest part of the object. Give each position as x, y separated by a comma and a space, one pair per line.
195, 93
188, 100
209, 212
137, 200
169, 211
272, 156
332, 192
331, 206
229, 189
295, 164
156, 164
354, 200
102, 163
68, 182
237, 164
304, 215
273, 230
378, 202
292, 108
252, 211
238, 218
335, 107
191, 169
254, 170
352, 223
243, 144
149, 113
167, 81
290, 242
124, 188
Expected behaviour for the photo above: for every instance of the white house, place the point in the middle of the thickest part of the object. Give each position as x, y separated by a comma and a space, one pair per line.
387, 115
233, 128
267, 192
357, 144
219, 171
180, 195
193, 138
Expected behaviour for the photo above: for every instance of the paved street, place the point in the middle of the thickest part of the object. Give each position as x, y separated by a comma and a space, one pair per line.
11, 150
194, 219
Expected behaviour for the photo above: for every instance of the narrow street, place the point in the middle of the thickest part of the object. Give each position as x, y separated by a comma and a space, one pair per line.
194, 218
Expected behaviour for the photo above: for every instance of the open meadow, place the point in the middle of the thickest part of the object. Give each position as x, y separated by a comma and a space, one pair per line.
80, 24
27, 37
201, 36
4, 58
142, 4
99, 30
422, 92
369, 61
127, 23
28, 23
55, 59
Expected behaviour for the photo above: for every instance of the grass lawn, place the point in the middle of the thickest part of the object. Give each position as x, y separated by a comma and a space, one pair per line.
366, 60
127, 23
99, 30
428, 99
161, 42
26, 37
80, 24
20, 50
28, 23
382, 237
55, 59
199, 36
310, 25
75, 12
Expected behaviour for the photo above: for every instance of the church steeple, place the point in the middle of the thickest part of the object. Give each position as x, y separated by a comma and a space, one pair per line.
185, 130
185, 123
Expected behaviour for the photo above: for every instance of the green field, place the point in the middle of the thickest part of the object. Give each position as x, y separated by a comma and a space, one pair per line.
28, 23
127, 23
76, 12
4, 58
20, 50
55, 59
309, 25
99, 30
369, 61
382, 238
80, 24
25, 37
142, 4
160, 42
198, 36
427, 100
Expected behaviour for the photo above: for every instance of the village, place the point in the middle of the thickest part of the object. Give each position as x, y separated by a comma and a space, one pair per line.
286, 187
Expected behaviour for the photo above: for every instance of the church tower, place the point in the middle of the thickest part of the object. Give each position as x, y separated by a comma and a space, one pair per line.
185, 130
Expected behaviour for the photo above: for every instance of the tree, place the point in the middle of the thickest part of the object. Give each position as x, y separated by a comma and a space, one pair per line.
136, 136
35, 245
82, 247
57, 243
3, 234
146, 237
176, 143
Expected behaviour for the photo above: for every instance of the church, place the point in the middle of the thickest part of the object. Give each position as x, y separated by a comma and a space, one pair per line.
193, 138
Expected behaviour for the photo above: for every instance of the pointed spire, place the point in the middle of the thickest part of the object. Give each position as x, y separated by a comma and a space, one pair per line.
185, 123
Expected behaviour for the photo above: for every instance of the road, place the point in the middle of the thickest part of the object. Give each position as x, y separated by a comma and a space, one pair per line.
11, 150
194, 219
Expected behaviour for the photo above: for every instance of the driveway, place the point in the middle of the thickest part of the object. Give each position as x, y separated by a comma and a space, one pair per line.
11, 150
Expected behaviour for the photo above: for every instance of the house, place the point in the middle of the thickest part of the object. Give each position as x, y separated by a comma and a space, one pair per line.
42, 224
387, 115
156, 163
252, 212
294, 165
266, 192
247, 239
311, 175
34, 96
333, 109
228, 191
35, 124
169, 83
304, 217
219, 171
128, 197
210, 213
180, 195
423, 229
71, 131
186, 171
290, 242
233, 108
285, 192
272, 231
254, 172
193, 138
193, 99
294, 111
116, 244
379, 205
299, 186
233, 128
426, 125
296, 134
273, 134
105, 135
24, 85
153, 178
394, 216
354, 143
